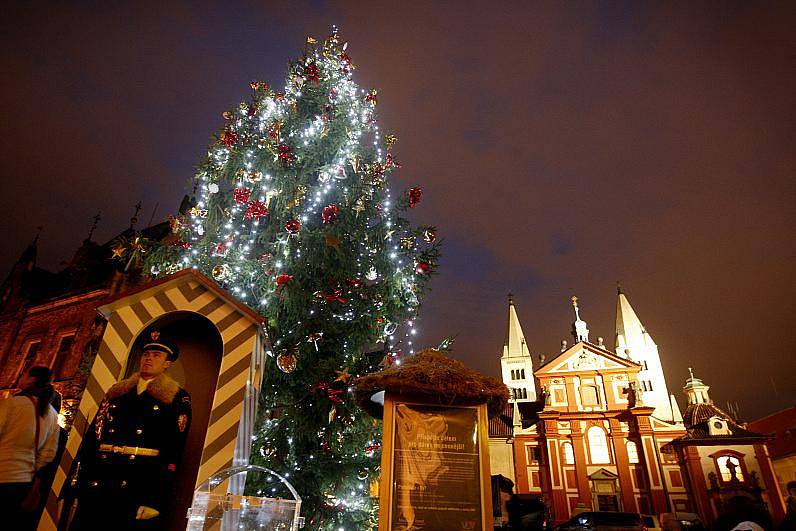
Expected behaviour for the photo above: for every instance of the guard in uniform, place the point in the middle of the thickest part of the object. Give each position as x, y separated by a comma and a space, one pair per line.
131, 450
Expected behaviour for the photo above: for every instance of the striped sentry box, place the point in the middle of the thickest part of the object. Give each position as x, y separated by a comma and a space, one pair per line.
228, 438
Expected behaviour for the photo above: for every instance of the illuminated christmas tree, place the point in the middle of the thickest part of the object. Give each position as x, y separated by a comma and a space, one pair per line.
294, 216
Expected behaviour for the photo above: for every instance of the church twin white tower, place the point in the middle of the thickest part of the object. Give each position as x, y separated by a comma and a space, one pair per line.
632, 343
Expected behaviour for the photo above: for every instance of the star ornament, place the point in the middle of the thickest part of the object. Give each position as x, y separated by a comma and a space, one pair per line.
118, 251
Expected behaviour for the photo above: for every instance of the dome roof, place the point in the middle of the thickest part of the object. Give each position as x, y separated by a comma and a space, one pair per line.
696, 419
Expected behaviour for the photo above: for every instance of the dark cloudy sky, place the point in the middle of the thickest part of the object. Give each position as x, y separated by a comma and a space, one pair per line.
561, 147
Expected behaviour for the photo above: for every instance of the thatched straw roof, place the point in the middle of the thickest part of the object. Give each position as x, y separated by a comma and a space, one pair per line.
431, 376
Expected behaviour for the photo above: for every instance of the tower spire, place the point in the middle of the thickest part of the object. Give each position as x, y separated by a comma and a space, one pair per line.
580, 330
634, 343
516, 362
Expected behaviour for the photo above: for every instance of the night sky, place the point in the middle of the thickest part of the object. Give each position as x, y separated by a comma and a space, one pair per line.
561, 147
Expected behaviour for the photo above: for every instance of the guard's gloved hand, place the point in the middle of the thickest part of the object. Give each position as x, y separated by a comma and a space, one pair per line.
146, 513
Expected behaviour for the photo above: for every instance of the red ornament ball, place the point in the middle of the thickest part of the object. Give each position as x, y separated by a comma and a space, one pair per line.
293, 226
241, 195
414, 196
284, 279
422, 268
329, 213
256, 210
285, 154
312, 72
229, 138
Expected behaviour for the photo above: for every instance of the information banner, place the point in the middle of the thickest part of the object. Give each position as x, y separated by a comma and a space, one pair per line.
436, 469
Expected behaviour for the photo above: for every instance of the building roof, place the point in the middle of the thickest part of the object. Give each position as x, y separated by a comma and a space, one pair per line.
591, 347
129, 297
782, 427
515, 345
696, 419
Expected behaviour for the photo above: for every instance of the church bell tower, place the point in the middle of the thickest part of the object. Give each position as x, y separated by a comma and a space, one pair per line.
516, 362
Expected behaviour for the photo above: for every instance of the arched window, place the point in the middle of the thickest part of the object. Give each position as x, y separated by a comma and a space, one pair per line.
727, 464
522, 373
632, 452
569, 453
598, 446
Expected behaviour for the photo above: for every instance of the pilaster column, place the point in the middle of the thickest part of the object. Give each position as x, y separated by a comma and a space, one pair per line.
623, 467
584, 491
699, 487
659, 502
770, 482
554, 473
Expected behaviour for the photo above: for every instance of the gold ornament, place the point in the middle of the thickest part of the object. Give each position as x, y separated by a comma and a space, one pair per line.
172, 268
287, 360
407, 242
390, 140
198, 213
343, 376
269, 196
430, 235
254, 176
119, 250
311, 39
359, 206
362, 474
221, 272
355, 163
298, 196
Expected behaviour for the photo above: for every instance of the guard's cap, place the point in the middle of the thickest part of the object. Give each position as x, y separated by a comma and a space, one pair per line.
161, 344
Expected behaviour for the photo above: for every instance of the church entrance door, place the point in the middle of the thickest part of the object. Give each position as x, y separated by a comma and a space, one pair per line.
605, 494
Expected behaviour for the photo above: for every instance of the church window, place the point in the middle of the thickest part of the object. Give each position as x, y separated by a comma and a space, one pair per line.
645, 365
727, 465
31, 352
589, 396
533, 455
632, 452
569, 453
62, 355
524, 392
598, 446
649, 385
559, 395
522, 373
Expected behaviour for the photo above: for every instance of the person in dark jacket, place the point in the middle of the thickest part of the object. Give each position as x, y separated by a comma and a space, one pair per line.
131, 450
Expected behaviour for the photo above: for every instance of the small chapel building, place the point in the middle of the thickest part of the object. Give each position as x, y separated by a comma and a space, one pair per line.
597, 429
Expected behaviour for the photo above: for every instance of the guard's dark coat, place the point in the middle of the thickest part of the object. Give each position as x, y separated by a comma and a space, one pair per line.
113, 486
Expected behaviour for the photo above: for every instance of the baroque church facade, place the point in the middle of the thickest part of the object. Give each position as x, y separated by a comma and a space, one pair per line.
597, 429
